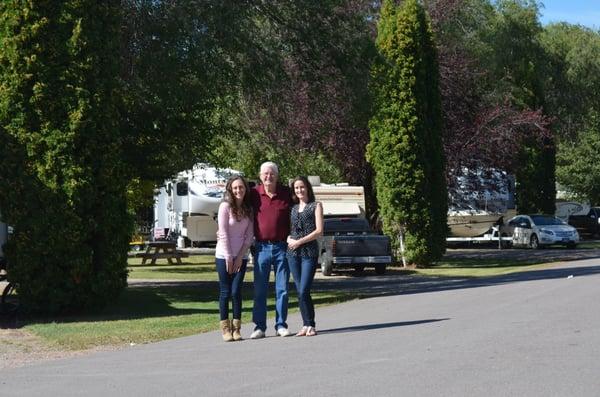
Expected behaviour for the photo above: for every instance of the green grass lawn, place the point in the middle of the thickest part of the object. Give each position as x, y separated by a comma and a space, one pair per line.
153, 313
589, 244
195, 267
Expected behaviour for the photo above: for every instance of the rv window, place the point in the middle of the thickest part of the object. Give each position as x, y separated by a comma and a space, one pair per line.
182, 189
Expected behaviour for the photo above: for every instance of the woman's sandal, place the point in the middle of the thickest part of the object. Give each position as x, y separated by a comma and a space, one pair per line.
311, 331
302, 332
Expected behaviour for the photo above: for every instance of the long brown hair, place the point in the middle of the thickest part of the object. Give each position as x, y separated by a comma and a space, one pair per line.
244, 210
307, 185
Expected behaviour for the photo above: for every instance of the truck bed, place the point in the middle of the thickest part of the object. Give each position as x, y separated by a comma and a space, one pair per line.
351, 242
587, 224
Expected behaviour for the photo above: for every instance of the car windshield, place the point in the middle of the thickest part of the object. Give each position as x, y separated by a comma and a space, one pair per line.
545, 220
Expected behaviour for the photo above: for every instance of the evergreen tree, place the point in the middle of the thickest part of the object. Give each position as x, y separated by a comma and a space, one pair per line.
62, 186
406, 147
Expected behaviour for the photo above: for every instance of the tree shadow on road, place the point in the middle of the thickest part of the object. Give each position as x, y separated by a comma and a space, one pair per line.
368, 327
411, 284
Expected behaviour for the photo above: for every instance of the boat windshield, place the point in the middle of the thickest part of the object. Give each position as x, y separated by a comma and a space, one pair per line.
461, 207
546, 220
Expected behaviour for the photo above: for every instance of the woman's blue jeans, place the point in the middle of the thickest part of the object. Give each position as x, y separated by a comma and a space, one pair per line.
230, 287
303, 270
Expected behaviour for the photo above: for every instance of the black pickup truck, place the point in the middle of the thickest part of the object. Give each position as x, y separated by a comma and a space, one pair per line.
588, 224
350, 242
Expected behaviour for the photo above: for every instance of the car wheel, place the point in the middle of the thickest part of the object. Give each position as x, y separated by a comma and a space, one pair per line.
380, 269
534, 242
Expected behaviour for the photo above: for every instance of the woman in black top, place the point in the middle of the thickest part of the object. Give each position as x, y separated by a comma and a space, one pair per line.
303, 248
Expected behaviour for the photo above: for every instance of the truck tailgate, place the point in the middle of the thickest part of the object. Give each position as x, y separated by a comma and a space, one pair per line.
370, 245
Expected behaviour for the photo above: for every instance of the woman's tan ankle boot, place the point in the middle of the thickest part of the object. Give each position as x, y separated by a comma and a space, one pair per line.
226, 330
237, 329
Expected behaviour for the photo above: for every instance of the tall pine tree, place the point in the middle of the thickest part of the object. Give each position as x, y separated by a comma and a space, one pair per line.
406, 146
62, 186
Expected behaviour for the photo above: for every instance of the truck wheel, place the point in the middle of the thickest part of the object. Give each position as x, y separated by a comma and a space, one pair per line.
10, 300
506, 244
380, 269
326, 264
534, 243
326, 268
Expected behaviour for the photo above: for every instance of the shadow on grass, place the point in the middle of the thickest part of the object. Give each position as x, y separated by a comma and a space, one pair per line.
484, 263
166, 299
519, 256
139, 303
173, 270
166, 265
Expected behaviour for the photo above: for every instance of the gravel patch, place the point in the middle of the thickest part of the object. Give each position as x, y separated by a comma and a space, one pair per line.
19, 348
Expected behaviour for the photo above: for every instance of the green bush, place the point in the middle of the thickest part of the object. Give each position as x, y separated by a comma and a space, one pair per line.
62, 185
406, 147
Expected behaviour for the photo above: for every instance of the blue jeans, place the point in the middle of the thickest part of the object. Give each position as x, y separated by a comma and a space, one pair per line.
303, 269
265, 256
230, 287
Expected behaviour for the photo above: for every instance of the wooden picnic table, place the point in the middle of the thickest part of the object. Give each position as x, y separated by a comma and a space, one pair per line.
169, 252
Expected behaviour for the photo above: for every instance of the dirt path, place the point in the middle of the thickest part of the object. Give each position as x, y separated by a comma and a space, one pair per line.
18, 348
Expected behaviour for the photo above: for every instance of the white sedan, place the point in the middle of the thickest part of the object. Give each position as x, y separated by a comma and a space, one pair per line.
535, 231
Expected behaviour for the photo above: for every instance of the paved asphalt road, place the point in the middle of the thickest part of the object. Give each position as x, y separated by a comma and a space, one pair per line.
532, 334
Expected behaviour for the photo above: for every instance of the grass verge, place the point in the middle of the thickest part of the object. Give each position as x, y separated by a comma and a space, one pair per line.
480, 267
144, 314
153, 313
150, 314
193, 268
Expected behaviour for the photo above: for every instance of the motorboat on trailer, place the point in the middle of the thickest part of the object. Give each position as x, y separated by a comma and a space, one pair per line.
464, 220
478, 201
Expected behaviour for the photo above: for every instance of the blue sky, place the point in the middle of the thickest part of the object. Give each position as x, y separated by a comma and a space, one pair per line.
583, 12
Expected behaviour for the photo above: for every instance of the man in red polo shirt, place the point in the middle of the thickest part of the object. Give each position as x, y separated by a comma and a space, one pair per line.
271, 202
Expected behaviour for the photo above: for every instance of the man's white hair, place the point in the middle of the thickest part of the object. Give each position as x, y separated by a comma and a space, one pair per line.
271, 165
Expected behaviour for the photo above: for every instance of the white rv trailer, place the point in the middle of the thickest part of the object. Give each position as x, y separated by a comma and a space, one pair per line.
188, 204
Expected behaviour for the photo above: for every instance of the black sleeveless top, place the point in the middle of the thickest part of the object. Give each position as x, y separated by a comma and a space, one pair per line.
302, 224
